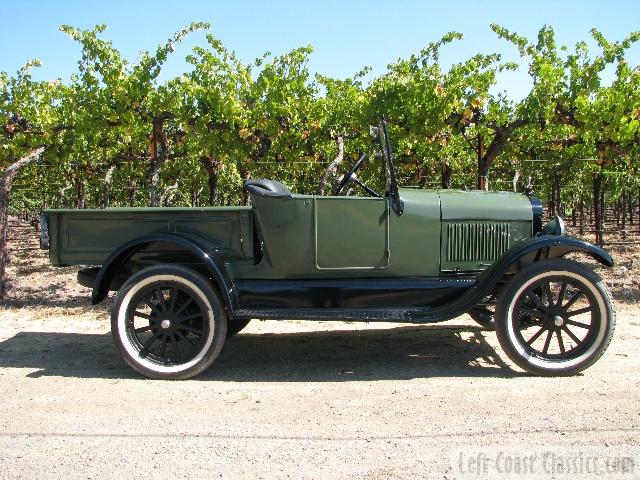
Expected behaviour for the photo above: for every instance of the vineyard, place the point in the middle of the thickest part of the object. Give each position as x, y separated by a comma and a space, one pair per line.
112, 135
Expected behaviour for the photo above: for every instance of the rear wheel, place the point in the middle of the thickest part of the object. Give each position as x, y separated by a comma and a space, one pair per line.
555, 318
168, 322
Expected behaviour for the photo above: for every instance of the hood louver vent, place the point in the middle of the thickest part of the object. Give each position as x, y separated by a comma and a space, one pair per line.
476, 242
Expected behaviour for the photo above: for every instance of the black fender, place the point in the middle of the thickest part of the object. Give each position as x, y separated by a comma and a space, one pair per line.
519, 255
539, 248
205, 251
552, 246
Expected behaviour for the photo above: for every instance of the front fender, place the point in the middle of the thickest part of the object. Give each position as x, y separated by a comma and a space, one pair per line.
555, 246
540, 248
518, 256
203, 250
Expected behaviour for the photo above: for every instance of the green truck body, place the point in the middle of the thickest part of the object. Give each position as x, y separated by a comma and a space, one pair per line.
311, 236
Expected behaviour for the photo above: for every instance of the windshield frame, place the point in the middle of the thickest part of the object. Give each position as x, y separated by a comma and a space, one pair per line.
388, 166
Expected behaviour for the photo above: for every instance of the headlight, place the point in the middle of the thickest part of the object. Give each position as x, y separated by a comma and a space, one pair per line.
554, 227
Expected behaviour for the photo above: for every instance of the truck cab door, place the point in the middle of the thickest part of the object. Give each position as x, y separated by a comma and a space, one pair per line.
351, 233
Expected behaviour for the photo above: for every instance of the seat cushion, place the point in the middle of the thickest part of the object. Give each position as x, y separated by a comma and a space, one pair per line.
266, 188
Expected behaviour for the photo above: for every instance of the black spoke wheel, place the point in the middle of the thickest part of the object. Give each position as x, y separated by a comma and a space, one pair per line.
555, 318
168, 322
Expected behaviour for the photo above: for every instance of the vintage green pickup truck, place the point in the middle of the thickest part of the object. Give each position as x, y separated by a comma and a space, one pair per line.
187, 278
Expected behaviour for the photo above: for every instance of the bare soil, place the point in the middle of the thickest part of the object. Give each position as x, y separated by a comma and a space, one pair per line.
292, 399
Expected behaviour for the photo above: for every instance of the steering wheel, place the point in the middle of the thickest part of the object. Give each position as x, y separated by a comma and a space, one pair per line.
351, 177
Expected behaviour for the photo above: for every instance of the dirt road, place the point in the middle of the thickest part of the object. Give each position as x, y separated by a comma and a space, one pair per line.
296, 399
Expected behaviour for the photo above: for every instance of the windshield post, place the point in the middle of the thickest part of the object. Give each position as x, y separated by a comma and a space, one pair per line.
397, 204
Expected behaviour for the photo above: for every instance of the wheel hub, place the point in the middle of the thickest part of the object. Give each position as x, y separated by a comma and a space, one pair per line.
558, 321
165, 324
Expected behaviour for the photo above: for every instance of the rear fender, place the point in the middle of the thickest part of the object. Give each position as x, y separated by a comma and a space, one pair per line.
203, 250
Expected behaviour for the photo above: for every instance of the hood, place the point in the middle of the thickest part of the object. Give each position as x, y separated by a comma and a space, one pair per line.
480, 205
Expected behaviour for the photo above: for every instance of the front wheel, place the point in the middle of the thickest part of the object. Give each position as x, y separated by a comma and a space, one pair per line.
168, 322
555, 318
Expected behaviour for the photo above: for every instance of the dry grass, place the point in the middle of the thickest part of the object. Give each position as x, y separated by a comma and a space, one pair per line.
38, 288
624, 278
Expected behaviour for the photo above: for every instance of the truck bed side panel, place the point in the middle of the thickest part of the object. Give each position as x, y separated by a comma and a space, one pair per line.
87, 237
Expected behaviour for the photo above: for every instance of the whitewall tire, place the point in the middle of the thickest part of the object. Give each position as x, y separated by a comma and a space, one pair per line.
555, 317
168, 322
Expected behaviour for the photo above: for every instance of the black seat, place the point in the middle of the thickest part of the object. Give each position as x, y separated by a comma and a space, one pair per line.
267, 188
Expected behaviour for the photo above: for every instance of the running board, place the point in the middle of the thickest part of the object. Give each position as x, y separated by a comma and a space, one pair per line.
362, 314
468, 292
